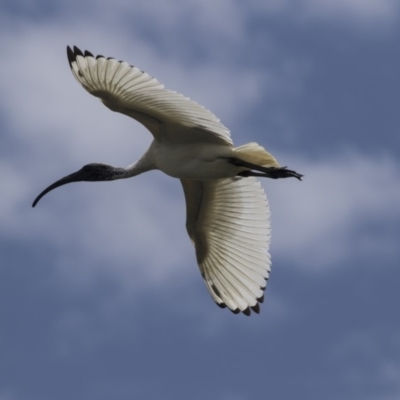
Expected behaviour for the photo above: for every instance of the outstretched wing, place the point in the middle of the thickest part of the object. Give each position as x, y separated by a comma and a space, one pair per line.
126, 89
228, 221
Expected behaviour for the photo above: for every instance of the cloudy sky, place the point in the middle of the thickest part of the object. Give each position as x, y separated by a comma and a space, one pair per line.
100, 295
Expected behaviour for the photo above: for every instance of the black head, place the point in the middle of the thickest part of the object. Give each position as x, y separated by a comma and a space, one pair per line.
88, 173
95, 172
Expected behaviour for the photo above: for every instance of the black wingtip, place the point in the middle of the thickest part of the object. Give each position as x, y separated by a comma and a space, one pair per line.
256, 308
221, 305
235, 311
77, 52
247, 312
261, 299
70, 55
73, 53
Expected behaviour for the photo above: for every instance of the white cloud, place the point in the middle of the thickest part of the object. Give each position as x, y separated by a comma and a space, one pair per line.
352, 10
323, 221
55, 127
136, 228
370, 360
132, 232
230, 395
357, 13
7, 394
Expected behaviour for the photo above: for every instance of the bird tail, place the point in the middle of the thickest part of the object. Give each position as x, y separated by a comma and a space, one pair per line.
255, 154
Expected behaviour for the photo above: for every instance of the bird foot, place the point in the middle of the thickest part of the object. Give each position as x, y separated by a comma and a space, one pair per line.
266, 172
283, 172
273, 173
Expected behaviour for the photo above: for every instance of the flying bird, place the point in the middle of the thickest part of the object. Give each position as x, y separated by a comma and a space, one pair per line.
227, 212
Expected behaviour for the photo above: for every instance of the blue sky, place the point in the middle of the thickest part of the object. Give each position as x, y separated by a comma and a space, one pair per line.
100, 294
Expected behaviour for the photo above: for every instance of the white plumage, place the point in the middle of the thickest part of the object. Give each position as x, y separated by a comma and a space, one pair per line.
228, 217
228, 223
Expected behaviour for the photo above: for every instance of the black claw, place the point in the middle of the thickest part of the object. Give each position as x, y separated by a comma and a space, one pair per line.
298, 176
291, 173
276, 173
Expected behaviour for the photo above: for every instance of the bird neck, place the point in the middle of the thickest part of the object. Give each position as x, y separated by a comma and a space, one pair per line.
144, 164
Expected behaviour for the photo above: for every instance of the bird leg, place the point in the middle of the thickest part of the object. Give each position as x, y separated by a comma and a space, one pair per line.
266, 172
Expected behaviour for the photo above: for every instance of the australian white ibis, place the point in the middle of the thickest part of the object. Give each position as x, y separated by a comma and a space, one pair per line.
228, 218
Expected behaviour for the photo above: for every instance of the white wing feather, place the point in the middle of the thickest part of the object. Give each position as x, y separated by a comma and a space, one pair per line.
130, 91
228, 222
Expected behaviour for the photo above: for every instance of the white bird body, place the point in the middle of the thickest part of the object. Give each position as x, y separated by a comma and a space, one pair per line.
228, 218
196, 161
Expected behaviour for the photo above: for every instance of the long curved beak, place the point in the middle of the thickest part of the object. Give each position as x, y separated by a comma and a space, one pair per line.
75, 177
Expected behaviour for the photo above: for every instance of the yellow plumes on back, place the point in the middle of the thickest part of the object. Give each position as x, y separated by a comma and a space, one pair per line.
256, 154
